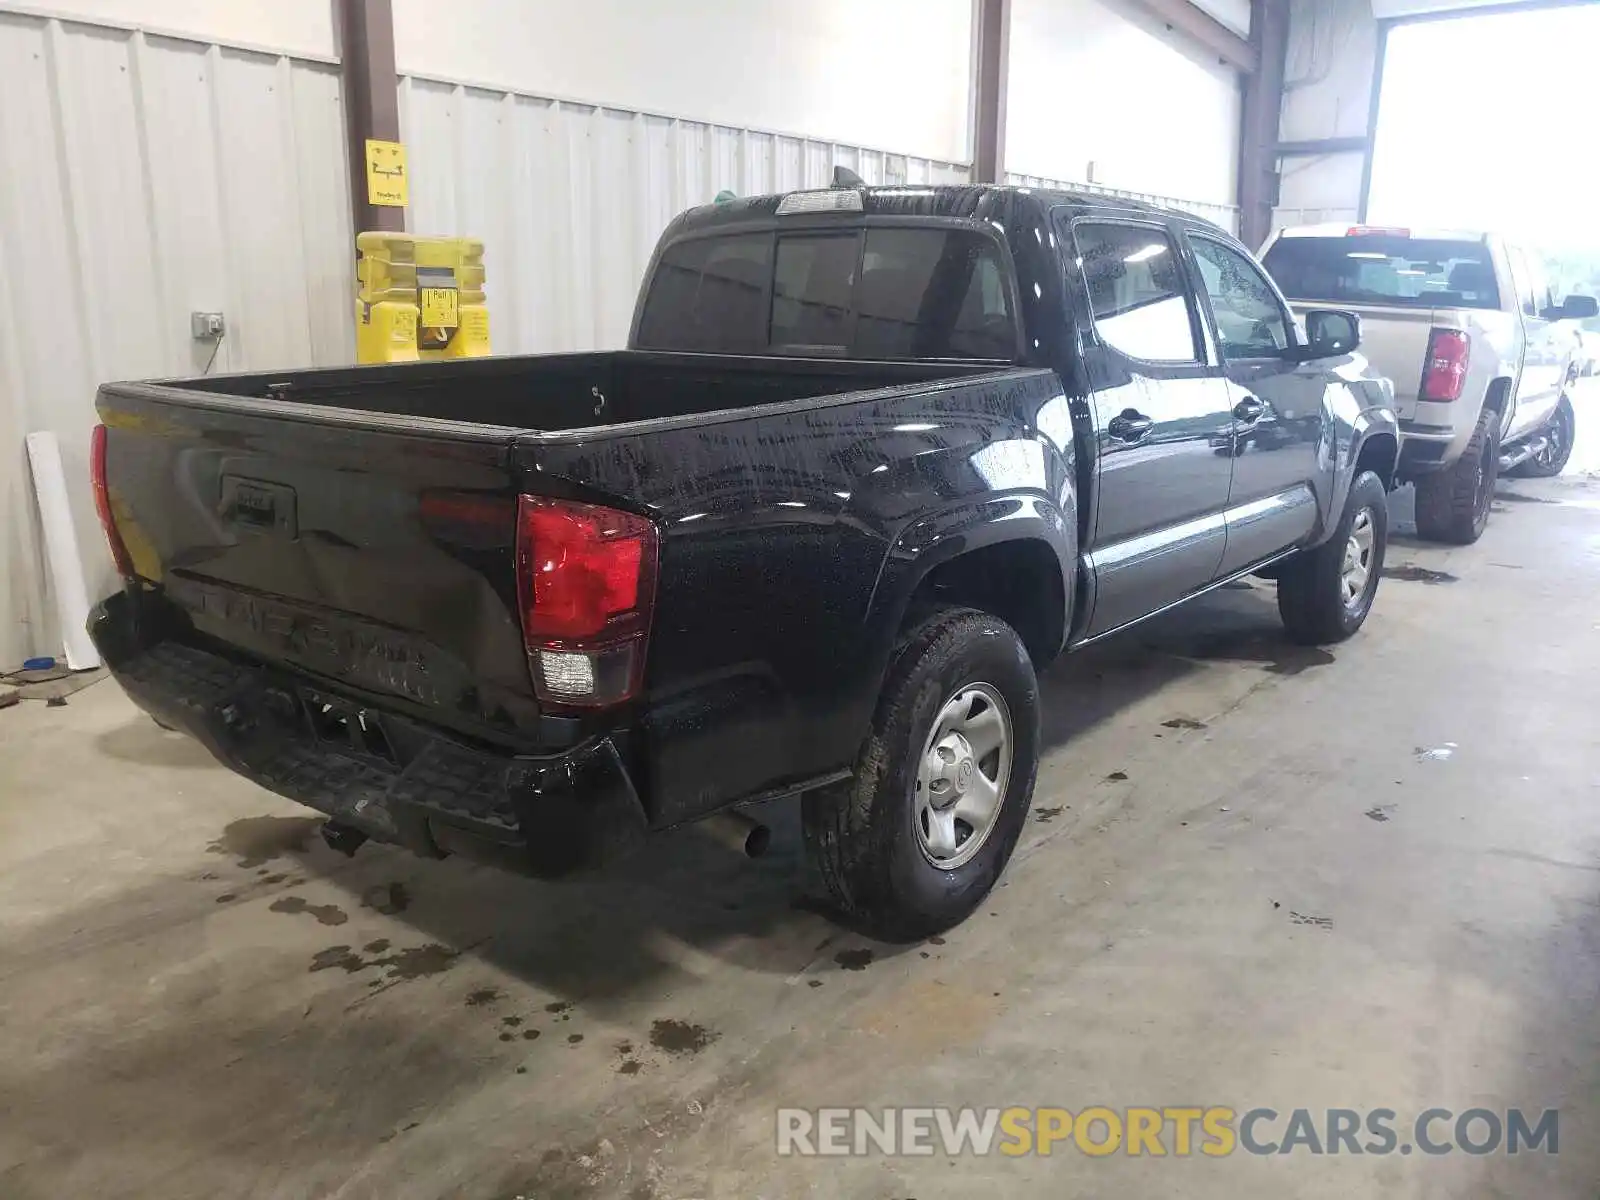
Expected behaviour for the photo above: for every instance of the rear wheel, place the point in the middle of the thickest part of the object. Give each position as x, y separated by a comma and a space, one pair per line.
913, 842
1325, 594
1558, 438
1453, 504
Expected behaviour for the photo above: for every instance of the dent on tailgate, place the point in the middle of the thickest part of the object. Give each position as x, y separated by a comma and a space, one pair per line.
380, 557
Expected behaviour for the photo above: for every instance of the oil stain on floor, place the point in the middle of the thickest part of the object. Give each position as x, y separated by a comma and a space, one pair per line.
255, 841
1411, 573
412, 963
326, 914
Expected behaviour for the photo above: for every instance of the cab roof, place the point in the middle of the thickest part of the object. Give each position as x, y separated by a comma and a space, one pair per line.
970, 201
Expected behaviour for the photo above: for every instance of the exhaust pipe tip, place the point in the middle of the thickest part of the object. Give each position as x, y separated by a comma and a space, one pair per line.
346, 839
739, 832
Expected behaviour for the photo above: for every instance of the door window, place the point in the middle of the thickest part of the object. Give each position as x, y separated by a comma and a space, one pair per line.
1250, 321
1136, 291
1539, 283
1533, 285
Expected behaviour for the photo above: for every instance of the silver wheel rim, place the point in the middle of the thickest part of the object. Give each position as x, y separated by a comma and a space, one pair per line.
962, 775
1358, 559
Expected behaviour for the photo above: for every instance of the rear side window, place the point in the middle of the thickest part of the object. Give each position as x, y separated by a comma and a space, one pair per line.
1136, 291
707, 296
1385, 269
881, 293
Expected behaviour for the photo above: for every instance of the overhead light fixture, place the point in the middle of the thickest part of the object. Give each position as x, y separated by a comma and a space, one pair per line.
831, 200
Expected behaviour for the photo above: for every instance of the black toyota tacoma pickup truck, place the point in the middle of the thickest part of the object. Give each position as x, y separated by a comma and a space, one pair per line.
873, 457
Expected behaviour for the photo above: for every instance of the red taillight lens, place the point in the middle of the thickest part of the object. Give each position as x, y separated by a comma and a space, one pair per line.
102, 502
586, 579
1444, 370
1377, 231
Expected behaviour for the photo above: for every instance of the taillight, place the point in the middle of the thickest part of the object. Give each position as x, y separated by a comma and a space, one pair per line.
102, 502
1444, 370
1377, 231
586, 581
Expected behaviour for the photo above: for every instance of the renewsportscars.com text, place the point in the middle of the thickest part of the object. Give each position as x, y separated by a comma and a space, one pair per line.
1177, 1131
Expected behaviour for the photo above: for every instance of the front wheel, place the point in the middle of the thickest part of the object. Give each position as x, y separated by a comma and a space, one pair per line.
913, 842
1552, 458
1325, 593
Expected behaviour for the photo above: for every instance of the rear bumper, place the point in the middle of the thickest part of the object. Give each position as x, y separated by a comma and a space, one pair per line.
391, 777
1425, 449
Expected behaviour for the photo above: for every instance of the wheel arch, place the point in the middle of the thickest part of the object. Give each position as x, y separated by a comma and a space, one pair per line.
1012, 556
1498, 398
1380, 453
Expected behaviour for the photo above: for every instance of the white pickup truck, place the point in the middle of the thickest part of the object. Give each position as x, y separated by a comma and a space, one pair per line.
1480, 353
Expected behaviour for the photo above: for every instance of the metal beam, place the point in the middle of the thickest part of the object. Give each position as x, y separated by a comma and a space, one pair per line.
992, 68
1328, 145
1374, 104
1261, 110
371, 105
1200, 26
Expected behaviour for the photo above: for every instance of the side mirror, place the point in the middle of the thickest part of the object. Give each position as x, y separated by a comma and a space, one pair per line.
1573, 308
1330, 333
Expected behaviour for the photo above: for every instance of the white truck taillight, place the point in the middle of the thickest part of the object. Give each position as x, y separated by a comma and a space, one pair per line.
586, 583
1444, 370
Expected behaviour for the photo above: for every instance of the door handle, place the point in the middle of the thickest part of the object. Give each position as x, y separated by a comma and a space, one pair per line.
1248, 410
1129, 425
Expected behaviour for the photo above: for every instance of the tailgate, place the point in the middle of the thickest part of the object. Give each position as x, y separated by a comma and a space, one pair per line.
1395, 341
369, 549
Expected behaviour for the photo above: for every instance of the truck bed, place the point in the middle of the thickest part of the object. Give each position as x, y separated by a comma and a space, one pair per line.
556, 392
358, 524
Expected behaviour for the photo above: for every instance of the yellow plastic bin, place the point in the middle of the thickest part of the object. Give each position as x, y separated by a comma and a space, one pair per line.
419, 298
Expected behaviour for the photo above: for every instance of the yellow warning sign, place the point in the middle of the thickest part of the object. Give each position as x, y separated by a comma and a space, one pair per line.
441, 307
386, 173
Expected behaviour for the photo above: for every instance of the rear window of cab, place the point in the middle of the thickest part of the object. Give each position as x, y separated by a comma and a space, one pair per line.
1385, 269
889, 292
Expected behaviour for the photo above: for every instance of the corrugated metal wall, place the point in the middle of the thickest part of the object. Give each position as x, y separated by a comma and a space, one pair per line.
142, 178
1225, 215
569, 197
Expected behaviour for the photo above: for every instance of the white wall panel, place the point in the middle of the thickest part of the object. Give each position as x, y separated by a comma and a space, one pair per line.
887, 73
141, 178
1102, 82
1327, 92
569, 198
1225, 215
301, 28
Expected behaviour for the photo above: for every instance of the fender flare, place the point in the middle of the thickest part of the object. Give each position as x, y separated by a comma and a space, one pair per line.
940, 537
1369, 423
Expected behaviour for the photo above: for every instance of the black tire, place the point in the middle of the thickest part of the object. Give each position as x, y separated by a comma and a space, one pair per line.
1311, 586
863, 833
1453, 504
1559, 436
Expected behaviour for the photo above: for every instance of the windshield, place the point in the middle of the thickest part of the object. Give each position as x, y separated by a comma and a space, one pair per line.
878, 293
1385, 269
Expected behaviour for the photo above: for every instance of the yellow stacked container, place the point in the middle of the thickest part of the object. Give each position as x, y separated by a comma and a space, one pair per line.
419, 298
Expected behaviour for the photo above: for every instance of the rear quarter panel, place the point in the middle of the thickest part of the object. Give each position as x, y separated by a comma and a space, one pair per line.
792, 538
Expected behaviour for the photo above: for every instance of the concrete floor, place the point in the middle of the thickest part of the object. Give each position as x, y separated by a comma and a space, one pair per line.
197, 999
